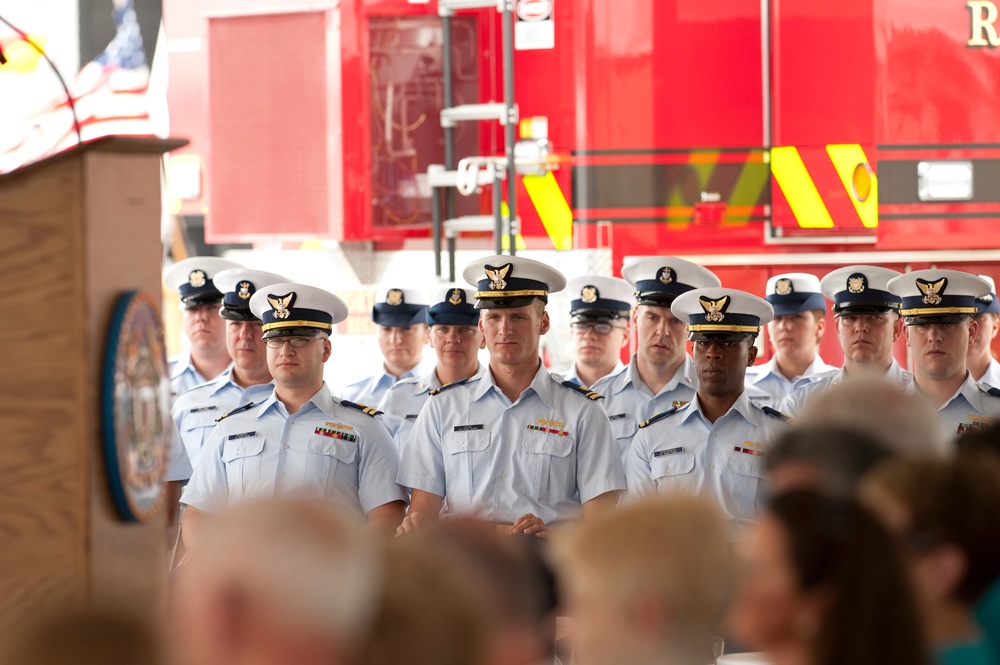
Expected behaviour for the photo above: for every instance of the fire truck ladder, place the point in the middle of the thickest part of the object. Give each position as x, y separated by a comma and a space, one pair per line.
472, 173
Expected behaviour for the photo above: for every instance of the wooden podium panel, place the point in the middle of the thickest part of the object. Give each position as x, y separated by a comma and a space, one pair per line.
76, 231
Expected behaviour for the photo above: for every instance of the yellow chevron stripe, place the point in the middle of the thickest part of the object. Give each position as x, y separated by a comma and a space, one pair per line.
800, 191
555, 213
845, 158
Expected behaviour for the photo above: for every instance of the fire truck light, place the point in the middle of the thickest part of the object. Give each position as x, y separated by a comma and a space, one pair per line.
944, 181
862, 181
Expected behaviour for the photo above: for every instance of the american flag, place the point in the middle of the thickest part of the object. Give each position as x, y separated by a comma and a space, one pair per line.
109, 93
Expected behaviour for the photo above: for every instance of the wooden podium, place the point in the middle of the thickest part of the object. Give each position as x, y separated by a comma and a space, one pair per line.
76, 230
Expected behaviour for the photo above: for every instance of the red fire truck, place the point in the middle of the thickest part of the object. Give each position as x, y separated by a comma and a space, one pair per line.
757, 136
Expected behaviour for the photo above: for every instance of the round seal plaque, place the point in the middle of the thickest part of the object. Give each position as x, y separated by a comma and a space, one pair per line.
136, 406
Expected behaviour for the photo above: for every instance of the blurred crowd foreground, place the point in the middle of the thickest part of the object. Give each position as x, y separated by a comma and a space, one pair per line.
880, 544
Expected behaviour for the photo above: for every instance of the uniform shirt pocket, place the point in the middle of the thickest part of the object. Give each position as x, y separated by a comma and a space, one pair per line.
624, 428
330, 463
548, 467
196, 428
466, 461
673, 473
242, 454
743, 482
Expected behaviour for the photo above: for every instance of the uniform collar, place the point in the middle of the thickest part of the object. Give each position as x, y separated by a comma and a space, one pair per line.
541, 384
817, 366
742, 406
322, 400
184, 364
684, 375
970, 391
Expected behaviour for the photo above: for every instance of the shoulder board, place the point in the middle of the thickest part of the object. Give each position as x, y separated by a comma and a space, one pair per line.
774, 413
367, 410
658, 417
987, 388
589, 394
448, 386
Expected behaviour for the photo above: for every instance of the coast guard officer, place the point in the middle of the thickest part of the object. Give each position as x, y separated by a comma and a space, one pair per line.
456, 339
938, 309
401, 335
204, 329
515, 445
866, 316
714, 445
599, 316
982, 364
660, 374
794, 333
196, 411
299, 439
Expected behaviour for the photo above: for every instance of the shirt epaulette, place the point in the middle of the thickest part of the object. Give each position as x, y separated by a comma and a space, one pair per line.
446, 386
234, 412
658, 417
367, 410
774, 413
589, 394
987, 388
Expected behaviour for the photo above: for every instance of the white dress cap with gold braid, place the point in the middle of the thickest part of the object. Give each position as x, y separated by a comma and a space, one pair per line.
938, 296
504, 281
720, 313
297, 310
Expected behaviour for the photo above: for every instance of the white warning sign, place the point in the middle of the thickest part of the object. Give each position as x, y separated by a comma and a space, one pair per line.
534, 27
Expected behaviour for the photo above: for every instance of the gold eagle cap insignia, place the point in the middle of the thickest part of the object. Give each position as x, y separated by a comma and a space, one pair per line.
932, 290
588, 294
856, 283
498, 276
666, 275
281, 304
244, 291
714, 309
197, 278
394, 297
783, 286
456, 297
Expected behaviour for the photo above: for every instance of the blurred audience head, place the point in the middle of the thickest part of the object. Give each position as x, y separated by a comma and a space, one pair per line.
822, 585
276, 581
947, 515
649, 583
903, 421
828, 459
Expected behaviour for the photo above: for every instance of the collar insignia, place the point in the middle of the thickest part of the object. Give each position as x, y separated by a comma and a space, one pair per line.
932, 290
783, 287
589, 294
394, 297
498, 276
456, 297
281, 304
244, 292
197, 278
714, 309
857, 283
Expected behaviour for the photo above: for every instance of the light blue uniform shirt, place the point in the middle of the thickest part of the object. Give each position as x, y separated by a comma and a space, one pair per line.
796, 400
628, 401
768, 386
183, 375
572, 375
403, 401
546, 453
194, 413
724, 460
970, 408
370, 390
992, 375
325, 450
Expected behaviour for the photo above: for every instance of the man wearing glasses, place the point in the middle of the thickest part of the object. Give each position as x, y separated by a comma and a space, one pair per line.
299, 439
456, 339
714, 445
660, 375
866, 315
599, 314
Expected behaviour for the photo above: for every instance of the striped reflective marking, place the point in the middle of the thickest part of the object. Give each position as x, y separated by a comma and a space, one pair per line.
800, 191
845, 158
555, 213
